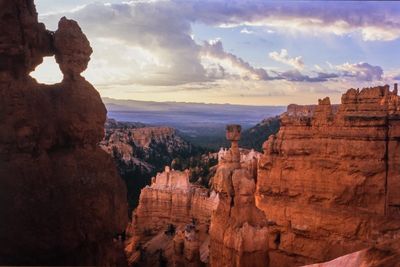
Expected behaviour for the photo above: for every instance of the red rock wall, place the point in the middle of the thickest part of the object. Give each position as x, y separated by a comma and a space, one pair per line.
61, 200
330, 176
187, 207
238, 231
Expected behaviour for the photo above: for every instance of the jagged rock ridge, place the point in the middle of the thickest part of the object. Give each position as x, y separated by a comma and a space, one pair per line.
61, 199
325, 186
171, 222
327, 181
178, 223
140, 151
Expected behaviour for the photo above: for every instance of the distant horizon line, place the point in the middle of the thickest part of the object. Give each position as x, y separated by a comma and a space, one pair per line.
201, 103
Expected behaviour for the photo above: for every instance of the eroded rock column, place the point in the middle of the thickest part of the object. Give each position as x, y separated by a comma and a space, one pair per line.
233, 135
238, 232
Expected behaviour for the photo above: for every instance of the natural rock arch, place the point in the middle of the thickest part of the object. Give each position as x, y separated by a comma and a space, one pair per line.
61, 199
48, 72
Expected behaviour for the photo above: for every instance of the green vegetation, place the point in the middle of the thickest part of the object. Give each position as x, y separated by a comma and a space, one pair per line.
254, 137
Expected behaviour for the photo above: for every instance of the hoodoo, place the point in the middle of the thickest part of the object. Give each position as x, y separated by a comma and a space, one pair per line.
181, 223
61, 200
238, 231
325, 186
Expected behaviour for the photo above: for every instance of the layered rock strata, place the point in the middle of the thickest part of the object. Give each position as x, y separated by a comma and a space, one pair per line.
171, 222
141, 151
180, 224
61, 199
326, 186
134, 145
328, 182
238, 231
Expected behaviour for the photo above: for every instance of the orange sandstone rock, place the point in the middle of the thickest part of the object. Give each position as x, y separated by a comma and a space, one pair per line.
238, 232
327, 181
171, 222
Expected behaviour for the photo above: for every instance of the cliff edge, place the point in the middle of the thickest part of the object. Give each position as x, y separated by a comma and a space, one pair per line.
328, 182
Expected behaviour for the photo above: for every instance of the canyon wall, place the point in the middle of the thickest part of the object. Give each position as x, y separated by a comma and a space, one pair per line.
141, 151
61, 199
181, 224
140, 145
326, 185
171, 223
328, 182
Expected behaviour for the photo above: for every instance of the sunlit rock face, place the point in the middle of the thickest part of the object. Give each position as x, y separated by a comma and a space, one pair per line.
171, 223
181, 224
139, 151
325, 186
328, 182
61, 200
238, 230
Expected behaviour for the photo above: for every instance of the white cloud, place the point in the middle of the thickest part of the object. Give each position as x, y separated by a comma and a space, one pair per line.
378, 34
246, 31
215, 49
283, 57
141, 42
372, 21
361, 71
150, 45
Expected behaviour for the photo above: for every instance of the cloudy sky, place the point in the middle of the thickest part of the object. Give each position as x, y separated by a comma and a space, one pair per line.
242, 52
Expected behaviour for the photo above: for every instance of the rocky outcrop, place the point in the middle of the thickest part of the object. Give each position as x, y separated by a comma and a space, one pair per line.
171, 223
72, 48
141, 151
61, 199
136, 144
238, 231
181, 224
325, 186
327, 181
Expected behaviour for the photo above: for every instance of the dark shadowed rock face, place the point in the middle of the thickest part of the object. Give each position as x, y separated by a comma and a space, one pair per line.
61, 200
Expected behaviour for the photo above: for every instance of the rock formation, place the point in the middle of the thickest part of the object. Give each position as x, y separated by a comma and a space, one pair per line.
171, 223
328, 182
326, 185
238, 232
61, 199
141, 151
181, 224
139, 142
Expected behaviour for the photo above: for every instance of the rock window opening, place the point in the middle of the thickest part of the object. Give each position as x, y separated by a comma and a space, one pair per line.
48, 72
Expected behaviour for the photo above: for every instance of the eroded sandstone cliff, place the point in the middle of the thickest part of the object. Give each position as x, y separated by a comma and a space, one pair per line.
328, 182
61, 199
327, 185
140, 151
171, 223
181, 224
